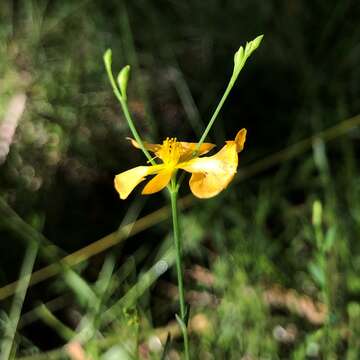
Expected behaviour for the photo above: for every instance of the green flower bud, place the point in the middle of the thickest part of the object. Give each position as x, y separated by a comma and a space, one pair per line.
122, 80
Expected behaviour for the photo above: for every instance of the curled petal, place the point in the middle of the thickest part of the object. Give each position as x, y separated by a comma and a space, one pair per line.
158, 182
212, 174
126, 181
240, 140
151, 147
189, 148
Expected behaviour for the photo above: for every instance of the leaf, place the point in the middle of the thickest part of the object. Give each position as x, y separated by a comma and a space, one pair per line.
181, 323
317, 274
80, 287
187, 314
330, 238
166, 346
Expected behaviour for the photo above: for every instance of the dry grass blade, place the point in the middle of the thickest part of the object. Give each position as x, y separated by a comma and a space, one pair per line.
163, 213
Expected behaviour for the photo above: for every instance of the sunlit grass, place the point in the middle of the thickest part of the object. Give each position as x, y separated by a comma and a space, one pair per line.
267, 276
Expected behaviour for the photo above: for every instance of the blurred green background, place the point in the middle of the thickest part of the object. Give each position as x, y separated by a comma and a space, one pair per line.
272, 264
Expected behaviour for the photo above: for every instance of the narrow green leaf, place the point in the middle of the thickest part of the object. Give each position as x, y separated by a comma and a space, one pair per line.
330, 238
51, 320
187, 314
317, 274
80, 287
181, 323
166, 346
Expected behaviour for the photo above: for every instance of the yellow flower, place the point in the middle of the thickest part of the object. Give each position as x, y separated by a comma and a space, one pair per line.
210, 175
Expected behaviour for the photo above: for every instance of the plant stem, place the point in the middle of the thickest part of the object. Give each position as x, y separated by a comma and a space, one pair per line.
134, 131
126, 112
211, 122
239, 62
179, 270
18, 301
215, 114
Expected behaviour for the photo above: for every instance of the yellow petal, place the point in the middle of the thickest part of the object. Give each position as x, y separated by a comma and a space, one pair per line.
158, 182
151, 147
240, 140
189, 148
126, 181
212, 174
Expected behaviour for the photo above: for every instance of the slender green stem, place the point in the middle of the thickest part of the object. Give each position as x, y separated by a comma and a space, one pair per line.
215, 114
179, 270
211, 122
240, 59
17, 304
125, 110
53, 322
137, 137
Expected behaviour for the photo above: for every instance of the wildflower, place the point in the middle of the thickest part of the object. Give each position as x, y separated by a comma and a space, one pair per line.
210, 174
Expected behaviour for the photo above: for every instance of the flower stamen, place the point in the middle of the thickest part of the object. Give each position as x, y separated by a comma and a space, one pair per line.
170, 151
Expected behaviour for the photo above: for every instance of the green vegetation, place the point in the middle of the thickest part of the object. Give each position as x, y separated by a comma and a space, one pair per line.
271, 264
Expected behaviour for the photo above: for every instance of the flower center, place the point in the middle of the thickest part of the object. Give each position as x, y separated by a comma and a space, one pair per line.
170, 151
